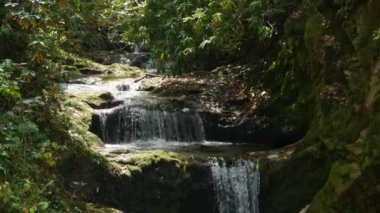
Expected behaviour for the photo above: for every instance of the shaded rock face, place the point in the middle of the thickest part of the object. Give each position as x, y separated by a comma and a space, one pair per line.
293, 183
90, 71
161, 186
255, 129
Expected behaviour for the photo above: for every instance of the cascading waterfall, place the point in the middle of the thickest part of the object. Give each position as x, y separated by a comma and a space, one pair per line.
237, 186
103, 122
130, 124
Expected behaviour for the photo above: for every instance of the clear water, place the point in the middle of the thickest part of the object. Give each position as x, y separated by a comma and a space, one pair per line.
237, 186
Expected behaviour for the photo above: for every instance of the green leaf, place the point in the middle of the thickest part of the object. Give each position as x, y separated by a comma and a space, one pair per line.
33, 209
207, 42
27, 128
43, 205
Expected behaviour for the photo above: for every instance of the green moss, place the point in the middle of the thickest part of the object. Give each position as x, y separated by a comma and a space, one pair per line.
341, 177
313, 32
80, 115
364, 194
288, 186
137, 162
73, 63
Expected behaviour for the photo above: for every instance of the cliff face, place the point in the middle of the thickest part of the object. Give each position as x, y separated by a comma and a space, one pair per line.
333, 71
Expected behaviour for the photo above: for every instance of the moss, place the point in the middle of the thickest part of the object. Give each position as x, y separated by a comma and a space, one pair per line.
313, 32
135, 163
332, 120
341, 177
80, 115
290, 185
73, 63
364, 193
159, 183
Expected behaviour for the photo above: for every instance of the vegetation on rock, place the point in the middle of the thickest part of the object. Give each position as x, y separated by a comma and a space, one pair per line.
310, 65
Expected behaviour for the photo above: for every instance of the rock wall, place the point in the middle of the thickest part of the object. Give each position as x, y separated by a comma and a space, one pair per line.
332, 69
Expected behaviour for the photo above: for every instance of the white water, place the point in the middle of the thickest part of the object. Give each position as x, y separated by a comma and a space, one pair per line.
237, 186
130, 123
96, 85
142, 117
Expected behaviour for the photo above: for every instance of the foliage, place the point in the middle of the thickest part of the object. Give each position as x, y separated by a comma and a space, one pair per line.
184, 32
27, 161
9, 90
30, 32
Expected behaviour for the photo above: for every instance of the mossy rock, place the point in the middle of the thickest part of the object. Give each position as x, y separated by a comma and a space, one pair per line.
88, 66
80, 115
289, 185
313, 32
160, 185
342, 176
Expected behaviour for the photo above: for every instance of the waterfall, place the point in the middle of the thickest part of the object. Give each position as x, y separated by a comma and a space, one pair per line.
237, 186
132, 124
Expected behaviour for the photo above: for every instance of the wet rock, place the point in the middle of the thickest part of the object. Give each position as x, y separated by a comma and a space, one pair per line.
252, 129
147, 88
195, 91
143, 191
123, 87
105, 105
238, 101
139, 59
100, 100
106, 96
90, 71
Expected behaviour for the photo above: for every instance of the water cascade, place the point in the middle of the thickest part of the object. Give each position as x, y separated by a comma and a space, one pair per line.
148, 123
237, 186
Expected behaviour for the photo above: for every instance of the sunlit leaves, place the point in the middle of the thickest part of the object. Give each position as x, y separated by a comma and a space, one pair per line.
6, 31
264, 32
9, 90
207, 42
190, 30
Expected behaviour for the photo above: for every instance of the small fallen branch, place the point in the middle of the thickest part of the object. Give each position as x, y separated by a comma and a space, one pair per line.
148, 76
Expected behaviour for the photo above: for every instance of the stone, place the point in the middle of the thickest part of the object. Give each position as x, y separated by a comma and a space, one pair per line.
90, 71
123, 87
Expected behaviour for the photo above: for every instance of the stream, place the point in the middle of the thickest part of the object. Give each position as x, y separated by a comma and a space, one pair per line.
141, 121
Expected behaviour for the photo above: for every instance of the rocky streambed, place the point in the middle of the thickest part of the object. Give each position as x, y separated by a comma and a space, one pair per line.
152, 142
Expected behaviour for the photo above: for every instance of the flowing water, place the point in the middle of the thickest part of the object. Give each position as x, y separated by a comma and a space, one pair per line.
141, 117
237, 186
131, 123
150, 122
